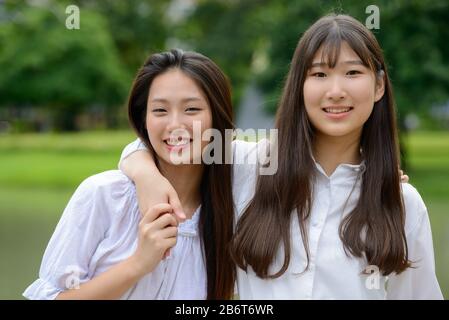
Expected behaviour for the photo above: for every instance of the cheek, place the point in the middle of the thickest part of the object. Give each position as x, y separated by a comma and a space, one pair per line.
363, 91
206, 121
154, 129
364, 95
312, 100
312, 92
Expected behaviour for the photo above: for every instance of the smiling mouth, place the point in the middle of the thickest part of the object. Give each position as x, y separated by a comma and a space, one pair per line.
337, 110
177, 142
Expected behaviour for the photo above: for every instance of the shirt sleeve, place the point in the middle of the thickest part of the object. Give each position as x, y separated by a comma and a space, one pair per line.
65, 264
419, 281
134, 146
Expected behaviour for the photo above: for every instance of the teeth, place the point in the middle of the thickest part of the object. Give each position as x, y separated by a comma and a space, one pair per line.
337, 110
176, 142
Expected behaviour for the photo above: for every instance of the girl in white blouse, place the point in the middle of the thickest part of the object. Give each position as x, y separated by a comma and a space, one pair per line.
103, 248
334, 221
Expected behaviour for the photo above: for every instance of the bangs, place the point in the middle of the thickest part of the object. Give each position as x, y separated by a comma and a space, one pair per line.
330, 48
330, 44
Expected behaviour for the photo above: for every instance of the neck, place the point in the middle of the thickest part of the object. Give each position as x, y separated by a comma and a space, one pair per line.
330, 151
186, 179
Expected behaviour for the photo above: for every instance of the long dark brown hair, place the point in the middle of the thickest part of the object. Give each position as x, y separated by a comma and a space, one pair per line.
217, 214
375, 227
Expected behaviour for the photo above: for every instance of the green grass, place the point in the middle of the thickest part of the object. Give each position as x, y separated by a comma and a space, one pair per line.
58, 161
39, 173
429, 172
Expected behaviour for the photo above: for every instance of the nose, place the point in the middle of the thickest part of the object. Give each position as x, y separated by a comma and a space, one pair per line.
336, 91
175, 122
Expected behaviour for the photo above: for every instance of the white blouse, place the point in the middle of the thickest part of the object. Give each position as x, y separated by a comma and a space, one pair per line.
331, 273
99, 228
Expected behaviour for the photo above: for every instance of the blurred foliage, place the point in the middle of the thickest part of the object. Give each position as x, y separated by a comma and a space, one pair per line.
71, 71
45, 64
413, 35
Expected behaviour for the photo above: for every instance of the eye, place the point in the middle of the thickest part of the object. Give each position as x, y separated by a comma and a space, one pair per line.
158, 110
318, 74
193, 109
353, 72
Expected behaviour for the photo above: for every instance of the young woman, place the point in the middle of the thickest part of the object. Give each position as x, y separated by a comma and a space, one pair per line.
103, 248
334, 221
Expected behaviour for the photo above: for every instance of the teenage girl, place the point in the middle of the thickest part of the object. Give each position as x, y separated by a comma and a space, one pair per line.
103, 248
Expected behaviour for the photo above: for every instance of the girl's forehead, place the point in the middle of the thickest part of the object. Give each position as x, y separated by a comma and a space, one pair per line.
333, 54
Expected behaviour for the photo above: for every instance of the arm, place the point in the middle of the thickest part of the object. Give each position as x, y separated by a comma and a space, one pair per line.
157, 233
404, 178
111, 284
138, 164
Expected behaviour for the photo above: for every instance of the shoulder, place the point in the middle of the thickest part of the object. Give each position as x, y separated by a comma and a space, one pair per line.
241, 148
247, 152
106, 180
111, 184
415, 208
107, 193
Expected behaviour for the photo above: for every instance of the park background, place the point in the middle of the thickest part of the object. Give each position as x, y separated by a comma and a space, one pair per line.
63, 95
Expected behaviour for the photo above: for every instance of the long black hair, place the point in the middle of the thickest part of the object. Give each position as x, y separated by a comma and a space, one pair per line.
375, 228
217, 214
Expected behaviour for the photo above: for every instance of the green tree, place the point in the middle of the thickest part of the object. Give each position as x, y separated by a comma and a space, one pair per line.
137, 27
413, 35
46, 65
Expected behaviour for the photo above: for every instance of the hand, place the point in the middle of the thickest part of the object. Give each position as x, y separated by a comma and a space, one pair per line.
158, 230
152, 187
404, 177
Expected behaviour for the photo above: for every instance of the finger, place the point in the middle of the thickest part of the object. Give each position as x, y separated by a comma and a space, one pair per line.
155, 211
176, 205
166, 254
404, 178
168, 232
169, 242
164, 221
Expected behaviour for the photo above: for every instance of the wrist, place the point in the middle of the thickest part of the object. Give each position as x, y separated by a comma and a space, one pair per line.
134, 268
140, 164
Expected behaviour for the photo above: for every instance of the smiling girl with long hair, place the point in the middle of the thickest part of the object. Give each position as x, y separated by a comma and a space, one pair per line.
104, 248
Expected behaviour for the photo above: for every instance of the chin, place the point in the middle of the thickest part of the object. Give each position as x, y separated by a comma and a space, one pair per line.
336, 132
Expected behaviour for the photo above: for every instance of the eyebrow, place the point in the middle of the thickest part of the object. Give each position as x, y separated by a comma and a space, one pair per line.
323, 64
183, 100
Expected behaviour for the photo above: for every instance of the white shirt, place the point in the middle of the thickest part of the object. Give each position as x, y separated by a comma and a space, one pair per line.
332, 274
99, 228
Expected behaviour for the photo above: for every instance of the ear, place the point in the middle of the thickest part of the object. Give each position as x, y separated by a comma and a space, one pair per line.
380, 86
